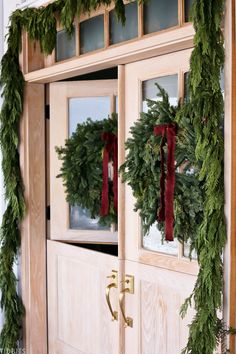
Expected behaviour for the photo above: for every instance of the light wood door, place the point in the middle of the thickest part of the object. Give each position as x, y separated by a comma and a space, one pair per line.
163, 276
79, 321
72, 103
79, 318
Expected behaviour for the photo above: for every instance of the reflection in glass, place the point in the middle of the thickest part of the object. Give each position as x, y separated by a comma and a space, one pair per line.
80, 220
160, 14
92, 34
96, 108
119, 32
81, 108
187, 10
169, 83
187, 251
153, 240
116, 104
65, 46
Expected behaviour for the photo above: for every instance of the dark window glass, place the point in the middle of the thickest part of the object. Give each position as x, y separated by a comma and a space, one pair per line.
65, 47
160, 14
92, 34
187, 9
120, 33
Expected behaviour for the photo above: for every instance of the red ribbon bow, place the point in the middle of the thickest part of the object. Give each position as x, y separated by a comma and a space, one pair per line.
167, 181
110, 152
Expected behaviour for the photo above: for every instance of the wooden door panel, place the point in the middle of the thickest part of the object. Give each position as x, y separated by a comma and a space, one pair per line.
154, 307
163, 280
78, 317
60, 95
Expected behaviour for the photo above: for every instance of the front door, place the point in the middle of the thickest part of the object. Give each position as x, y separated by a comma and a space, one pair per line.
163, 274
159, 275
81, 253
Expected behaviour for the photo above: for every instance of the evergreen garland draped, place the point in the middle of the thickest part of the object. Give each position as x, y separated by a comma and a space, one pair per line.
205, 109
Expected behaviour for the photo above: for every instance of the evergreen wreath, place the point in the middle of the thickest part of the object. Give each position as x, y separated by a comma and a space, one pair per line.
205, 110
82, 168
142, 167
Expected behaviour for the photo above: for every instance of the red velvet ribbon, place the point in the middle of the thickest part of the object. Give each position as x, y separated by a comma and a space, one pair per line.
167, 181
110, 152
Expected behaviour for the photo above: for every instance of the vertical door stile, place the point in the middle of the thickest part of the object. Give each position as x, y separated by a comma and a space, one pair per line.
121, 195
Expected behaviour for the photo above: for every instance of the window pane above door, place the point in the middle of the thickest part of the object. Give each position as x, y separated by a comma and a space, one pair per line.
153, 239
159, 15
65, 47
187, 9
119, 32
92, 34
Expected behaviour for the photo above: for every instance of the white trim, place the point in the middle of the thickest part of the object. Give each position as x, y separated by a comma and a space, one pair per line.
30, 3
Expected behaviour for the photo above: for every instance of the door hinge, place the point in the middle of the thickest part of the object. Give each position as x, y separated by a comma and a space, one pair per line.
47, 111
48, 212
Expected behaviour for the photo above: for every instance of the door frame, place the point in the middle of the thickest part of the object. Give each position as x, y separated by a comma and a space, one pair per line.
33, 165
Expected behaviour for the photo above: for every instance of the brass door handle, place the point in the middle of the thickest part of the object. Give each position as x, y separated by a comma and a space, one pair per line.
114, 276
128, 320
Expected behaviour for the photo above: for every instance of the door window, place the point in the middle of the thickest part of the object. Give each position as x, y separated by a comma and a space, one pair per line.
81, 108
72, 103
153, 239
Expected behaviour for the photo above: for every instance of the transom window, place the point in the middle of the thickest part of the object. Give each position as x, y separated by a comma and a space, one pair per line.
103, 29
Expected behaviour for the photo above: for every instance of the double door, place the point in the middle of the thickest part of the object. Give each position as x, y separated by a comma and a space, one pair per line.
114, 291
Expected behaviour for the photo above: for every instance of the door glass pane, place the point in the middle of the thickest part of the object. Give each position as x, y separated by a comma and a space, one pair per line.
187, 251
118, 32
149, 89
186, 88
96, 108
92, 34
187, 9
153, 240
160, 14
65, 47
116, 104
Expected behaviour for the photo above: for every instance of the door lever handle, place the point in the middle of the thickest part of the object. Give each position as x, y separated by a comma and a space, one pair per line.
114, 284
129, 289
128, 320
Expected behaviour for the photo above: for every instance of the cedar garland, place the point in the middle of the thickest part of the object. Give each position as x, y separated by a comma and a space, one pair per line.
205, 109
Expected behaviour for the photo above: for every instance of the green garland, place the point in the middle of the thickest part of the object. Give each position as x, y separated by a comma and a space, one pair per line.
82, 171
205, 109
144, 150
